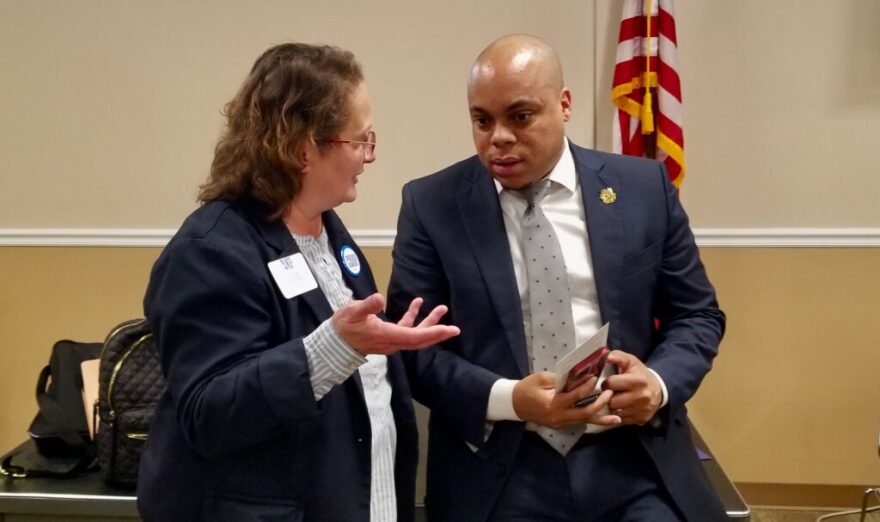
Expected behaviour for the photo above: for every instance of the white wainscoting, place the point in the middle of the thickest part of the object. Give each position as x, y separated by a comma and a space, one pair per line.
706, 237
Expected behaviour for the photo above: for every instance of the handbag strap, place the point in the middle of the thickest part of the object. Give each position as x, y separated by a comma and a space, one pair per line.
55, 414
8, 469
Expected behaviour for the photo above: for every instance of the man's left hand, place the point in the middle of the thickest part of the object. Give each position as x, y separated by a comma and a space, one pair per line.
637, 393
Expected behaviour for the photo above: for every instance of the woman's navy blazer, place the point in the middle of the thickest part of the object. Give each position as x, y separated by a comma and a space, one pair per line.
238, 434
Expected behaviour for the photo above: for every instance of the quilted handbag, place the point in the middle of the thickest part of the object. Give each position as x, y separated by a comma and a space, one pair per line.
130, 384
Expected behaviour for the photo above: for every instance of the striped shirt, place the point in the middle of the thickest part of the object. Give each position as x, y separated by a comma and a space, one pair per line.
332, 361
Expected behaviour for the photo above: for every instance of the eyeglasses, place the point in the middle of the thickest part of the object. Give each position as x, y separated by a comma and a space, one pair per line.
368, 147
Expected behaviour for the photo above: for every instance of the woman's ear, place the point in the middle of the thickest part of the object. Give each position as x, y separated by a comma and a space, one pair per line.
307, 155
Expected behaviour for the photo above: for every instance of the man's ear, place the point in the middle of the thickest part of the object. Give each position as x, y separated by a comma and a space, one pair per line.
565, 102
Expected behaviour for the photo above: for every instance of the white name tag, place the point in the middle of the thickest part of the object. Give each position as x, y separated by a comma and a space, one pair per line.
292, 275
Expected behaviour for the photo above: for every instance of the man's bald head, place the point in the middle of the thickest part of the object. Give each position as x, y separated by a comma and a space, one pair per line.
519, 106
519, 54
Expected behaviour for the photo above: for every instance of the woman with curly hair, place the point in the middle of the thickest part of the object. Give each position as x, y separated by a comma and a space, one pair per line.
286, 398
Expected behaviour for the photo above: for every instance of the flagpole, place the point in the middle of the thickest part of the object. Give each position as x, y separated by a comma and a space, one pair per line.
647, 103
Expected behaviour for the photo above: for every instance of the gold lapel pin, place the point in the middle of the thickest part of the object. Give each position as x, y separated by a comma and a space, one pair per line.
607, 196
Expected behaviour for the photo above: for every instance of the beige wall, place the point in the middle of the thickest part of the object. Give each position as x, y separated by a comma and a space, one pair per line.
111, 109
781, 109
793, 397
47, 294
104, 100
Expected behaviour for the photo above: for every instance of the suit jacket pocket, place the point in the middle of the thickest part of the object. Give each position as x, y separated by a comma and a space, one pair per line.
245, 509
642, 260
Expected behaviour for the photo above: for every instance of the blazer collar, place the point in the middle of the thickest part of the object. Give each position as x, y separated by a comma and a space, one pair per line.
274, 233
361, 284
279, 238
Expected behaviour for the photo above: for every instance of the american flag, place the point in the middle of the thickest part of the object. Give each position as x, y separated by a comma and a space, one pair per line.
646, 88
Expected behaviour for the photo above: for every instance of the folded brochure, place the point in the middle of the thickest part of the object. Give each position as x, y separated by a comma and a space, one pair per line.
587, 360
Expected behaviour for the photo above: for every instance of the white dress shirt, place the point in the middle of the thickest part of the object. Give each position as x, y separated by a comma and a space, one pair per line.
332, 361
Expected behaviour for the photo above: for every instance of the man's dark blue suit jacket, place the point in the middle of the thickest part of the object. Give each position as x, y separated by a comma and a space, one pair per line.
238, 435
451, 248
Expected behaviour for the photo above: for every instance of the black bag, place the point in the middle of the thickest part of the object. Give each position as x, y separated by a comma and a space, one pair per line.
60, 444
60, 430
130, 385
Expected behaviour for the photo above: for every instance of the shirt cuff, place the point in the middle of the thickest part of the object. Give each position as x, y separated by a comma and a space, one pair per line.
662, 388
331, 359
500, 405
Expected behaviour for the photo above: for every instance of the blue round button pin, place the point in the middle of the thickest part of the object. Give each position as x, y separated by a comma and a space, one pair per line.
350, 260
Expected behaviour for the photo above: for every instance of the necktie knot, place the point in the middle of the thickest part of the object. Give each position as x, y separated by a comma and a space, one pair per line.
534, 193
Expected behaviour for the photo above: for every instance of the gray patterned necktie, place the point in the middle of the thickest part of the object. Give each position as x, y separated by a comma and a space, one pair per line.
552, 334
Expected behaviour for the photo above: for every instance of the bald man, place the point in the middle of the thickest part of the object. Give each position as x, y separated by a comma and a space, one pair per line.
495, 450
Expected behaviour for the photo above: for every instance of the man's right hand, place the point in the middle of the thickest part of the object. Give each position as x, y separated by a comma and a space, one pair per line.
359, 325
535, 399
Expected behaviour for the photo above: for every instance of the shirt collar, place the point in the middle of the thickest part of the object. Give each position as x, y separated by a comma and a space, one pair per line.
563, 172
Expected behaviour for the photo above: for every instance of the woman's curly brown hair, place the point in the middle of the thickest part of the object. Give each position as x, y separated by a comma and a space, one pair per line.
295, 93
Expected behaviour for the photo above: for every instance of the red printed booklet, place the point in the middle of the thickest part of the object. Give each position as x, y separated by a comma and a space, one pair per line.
586, 361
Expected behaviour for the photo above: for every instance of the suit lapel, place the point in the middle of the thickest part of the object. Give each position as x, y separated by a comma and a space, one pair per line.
337, 237
361, 284
279, 238
481, 212
604, 228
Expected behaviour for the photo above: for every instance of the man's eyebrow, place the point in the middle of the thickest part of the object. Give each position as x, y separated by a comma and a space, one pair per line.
517, 105
522, 104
